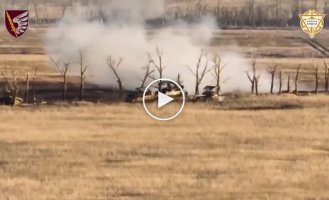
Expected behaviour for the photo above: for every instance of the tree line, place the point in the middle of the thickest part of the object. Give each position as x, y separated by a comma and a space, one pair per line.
269, 13
250, 13
155, 69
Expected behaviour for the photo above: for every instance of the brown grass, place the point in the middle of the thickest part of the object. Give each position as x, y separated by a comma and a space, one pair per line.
118, 152
99, 152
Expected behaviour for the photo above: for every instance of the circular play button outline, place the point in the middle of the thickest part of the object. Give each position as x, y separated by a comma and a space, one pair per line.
169, 118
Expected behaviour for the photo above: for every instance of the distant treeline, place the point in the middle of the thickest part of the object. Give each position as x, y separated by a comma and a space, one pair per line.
251, 13
270, 13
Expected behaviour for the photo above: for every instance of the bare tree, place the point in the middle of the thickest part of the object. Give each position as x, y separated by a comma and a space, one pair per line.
277, 5
296, 4
34, 85
179, 80
297, 79
27, 4
326, 10
147, 74
273, 72
63, 69
316, 74
251, 12
36, 11
27, 87
257, 84
254, 77
114, 66
63, 6
200, 72
158, 66
326, 77
315, 4
83, 69
217, 71
252, 81
280, 82
198, 8
288, 84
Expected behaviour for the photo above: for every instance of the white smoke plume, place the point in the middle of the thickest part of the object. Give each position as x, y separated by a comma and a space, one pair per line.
123, 34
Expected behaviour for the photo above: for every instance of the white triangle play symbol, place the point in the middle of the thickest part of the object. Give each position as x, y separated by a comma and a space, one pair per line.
163, 100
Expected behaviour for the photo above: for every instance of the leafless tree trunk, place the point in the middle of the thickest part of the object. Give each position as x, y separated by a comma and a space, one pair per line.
159, 66
254, 78
27, 88
64, 75
326, 7
277, 8
27, 4
148, 73
199, 72
288, 84
179, 80
252, 81
296, 3
297, 79
34, 86
36, 11
251, 12
280, 82
256, 85
198, 8
218, 9
273, 72
217, 71
63, 68
316, 74
64, 8
114, 66
83, 69
326, 77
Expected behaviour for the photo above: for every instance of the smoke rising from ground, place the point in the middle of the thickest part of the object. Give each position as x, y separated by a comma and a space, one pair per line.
122, 34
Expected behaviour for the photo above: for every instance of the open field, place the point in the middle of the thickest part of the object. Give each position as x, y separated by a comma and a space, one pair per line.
99, 152
246, 147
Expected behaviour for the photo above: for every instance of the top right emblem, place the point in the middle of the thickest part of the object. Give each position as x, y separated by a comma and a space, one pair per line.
312, 22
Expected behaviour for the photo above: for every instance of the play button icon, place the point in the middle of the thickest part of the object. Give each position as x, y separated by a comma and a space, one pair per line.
166, 103
163, 99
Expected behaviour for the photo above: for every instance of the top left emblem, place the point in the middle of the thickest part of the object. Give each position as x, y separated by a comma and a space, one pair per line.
17, 22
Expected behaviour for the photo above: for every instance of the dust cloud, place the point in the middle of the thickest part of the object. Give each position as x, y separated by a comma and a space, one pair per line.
121, 32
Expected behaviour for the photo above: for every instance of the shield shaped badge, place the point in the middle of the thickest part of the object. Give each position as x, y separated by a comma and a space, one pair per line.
312, 22
17, 22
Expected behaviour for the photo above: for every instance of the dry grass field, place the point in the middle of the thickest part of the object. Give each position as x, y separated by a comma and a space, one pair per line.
98, 152
266, 147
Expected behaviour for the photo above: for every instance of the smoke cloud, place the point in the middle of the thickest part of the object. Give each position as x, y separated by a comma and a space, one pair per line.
121, 33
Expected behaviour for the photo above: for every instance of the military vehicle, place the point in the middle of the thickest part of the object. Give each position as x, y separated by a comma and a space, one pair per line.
168, 88
209, 94
8, 100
